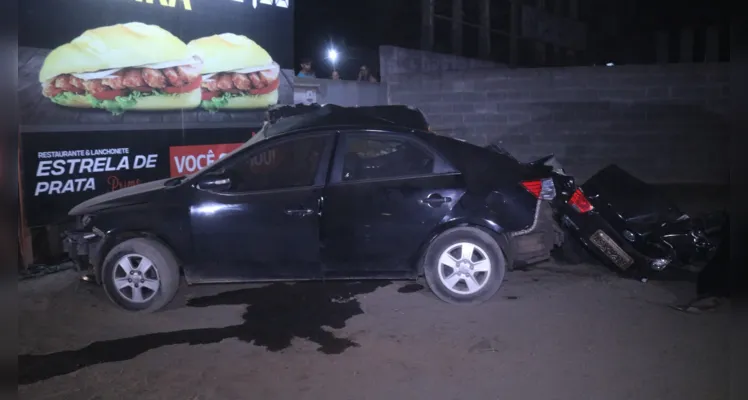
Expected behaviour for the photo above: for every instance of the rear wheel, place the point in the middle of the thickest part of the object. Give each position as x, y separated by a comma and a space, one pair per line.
140, 275
464, 266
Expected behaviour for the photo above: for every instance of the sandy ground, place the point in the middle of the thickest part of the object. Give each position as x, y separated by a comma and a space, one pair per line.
552, 332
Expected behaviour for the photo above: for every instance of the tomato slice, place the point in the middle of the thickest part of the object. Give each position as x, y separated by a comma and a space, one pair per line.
184, 89
267, 89
52, 92
109, 94
210, 95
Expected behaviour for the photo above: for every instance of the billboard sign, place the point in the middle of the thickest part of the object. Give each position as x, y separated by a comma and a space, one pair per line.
61, 170
114, 93
152, 64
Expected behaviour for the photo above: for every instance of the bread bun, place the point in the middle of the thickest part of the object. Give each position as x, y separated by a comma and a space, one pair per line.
262, 101
116, 46
189, 100
227, 52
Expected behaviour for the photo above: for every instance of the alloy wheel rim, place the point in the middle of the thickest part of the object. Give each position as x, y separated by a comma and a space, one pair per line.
136, 278
464, 268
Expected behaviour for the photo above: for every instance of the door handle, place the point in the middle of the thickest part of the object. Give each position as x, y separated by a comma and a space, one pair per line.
300, 213
435, 200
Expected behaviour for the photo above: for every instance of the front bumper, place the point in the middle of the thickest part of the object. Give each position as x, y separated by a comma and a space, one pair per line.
83, 248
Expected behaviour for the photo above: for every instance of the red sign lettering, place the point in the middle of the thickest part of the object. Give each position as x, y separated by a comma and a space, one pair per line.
185, 160
115, 183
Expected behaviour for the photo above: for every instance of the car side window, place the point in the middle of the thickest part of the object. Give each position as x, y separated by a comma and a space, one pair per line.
371, 157
293, 163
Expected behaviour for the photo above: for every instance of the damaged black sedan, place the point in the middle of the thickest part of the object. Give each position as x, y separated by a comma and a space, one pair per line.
327, 193
632, 227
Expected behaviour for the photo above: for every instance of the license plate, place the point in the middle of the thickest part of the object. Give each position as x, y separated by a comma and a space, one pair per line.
611, 250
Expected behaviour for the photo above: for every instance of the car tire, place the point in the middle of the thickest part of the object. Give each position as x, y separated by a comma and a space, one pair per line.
475, 278
140, 275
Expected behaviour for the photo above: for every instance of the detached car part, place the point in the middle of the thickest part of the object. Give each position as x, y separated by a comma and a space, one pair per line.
632, 226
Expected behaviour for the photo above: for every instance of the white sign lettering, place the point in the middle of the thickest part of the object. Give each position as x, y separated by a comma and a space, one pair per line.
277, 3
68, 186
66, 167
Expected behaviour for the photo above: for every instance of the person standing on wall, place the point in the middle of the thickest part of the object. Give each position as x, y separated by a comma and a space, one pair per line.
363, 74
335, 75
306, 69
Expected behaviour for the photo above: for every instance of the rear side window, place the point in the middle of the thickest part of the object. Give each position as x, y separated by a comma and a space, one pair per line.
472, 159
371, 157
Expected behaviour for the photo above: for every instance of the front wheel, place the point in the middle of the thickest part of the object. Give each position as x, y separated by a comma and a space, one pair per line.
464, 266
140, 275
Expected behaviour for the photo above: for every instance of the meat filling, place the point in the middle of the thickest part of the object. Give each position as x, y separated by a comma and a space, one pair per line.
140, 79
233, 82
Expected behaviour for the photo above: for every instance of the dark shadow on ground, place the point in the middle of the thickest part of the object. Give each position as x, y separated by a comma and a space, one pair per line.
275, 315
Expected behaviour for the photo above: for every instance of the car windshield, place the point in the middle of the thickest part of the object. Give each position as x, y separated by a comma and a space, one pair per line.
258, 137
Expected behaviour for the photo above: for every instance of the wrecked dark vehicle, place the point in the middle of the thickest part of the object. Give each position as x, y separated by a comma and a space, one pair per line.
631, 226
323, 193
539, 243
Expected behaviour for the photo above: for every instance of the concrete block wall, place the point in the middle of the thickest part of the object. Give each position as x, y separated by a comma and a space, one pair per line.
663, 123
395, 61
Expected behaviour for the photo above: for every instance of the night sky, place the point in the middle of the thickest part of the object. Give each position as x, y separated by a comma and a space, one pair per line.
355, 27
358, 27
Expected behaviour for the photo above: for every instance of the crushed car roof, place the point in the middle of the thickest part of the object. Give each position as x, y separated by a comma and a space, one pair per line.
290, 118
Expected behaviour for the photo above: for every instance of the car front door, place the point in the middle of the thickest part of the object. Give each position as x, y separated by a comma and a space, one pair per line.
387, 194
265, 226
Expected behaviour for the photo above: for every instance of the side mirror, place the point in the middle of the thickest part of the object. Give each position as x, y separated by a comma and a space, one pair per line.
215, 183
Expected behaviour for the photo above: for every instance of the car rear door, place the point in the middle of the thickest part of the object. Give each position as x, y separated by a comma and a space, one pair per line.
386, 194
266, 226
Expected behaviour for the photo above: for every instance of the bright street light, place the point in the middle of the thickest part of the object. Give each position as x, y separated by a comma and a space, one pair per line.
332, 54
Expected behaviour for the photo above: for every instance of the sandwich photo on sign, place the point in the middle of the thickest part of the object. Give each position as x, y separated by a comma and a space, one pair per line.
237, 73
123, 67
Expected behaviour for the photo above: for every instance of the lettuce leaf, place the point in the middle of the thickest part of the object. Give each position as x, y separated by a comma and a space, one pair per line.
119, 105
64, 98
219, 102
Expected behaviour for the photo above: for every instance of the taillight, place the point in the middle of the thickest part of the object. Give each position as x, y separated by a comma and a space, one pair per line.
542, 189
580, 202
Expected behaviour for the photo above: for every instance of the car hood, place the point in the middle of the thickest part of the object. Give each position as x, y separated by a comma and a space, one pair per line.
122, 197
634, 200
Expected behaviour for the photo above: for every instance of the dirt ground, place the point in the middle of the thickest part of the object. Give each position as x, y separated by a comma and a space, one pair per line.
552, 332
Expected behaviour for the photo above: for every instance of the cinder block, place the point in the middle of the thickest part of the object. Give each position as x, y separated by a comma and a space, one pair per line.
659, 120
687, 92
463, 108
